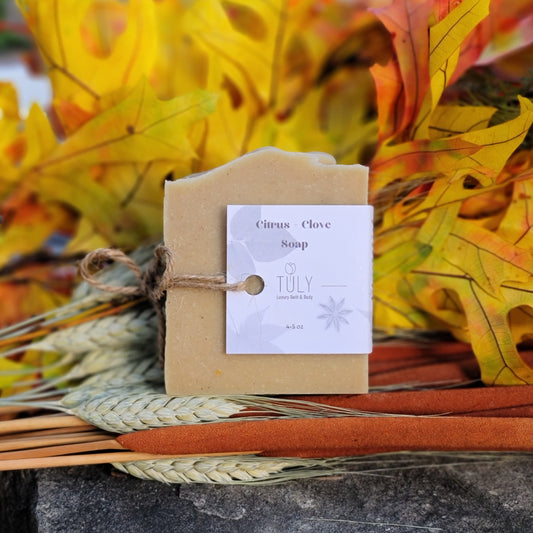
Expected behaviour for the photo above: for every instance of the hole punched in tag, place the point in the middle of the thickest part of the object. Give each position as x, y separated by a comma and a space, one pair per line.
254, 284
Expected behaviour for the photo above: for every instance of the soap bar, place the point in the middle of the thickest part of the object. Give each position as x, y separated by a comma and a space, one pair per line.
196, 361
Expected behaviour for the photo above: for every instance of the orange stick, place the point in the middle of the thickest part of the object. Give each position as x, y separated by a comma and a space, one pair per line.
335, 437
91, 459
40, 422
65, 449
482, 401
45, 432
26, 443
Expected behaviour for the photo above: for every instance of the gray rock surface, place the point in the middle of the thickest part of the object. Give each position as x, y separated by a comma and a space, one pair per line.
491, 496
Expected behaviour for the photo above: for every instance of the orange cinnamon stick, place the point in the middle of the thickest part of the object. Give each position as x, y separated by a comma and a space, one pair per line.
335, 437
408, 362
482, 401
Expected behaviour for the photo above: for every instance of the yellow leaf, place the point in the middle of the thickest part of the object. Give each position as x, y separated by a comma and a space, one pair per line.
140, 128
438, 225
9, 101
141, 133
40, 138
180, 66
77, 73
392, 311
12, 148
481, 153
29, 226
248, 60
445, 41
486, 278
499, 142
402, 258
137, 192
449, 120
516, 225
488, 260
82, 194
226, 132
447, 35
415, 159
12, 372
85, 238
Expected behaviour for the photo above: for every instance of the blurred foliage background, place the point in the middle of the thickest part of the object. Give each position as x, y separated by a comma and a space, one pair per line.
432, 95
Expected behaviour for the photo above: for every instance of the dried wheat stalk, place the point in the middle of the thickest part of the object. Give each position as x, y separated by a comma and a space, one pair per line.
132, 407
126, 409
123, 391
128, 373
135, 328
85, 298
231, 470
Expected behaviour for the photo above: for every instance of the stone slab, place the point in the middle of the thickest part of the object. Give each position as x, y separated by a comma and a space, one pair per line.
484, 497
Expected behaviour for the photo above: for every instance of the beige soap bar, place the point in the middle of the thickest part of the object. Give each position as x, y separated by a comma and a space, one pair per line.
195, 230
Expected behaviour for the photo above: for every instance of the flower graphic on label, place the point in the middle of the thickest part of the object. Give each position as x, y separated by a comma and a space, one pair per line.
254, 336
290, 268
249, 244
335, 314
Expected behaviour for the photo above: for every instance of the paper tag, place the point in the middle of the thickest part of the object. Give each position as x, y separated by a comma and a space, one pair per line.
316, 264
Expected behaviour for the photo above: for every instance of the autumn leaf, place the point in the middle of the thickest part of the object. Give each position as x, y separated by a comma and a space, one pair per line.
139, 135
402, 83
511, 33
34, 286
448, 120
82, 68
27, 228
128, 108
249, 56
320, 122
515, 227
413, 159
449, 233
139, 128
11, 145
489, 278
277, 74
446, 40
12, 372
146, 91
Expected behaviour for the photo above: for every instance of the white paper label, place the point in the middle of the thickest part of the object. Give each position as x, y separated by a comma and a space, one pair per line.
316, 264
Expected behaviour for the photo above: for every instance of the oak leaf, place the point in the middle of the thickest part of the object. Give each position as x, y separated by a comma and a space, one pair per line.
77, 70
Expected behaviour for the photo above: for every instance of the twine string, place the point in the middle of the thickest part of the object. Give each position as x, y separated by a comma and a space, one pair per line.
153, 283
155, 280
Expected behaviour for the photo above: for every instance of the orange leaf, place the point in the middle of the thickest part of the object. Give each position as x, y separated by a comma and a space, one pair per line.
407, 21
33, 289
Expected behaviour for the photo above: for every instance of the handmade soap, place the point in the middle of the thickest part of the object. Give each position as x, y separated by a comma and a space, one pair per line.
196, 361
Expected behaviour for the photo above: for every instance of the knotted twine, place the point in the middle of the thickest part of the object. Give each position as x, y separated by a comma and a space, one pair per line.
152, 283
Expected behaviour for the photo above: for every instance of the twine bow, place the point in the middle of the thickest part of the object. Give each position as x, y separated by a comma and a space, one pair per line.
153, 283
